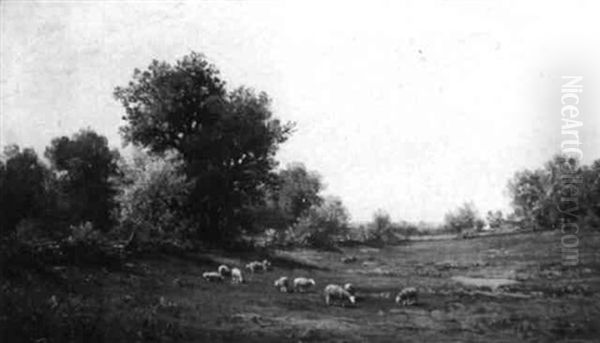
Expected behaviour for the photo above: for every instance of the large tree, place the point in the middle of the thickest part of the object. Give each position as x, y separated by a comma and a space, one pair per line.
227, 139
86, 168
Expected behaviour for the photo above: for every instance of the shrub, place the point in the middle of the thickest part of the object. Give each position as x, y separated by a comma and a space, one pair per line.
495, 219
465, 217
323, 224
381, 229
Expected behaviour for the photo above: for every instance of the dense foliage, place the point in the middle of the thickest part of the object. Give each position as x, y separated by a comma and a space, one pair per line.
85, 169
563, 190
153, 198
24, 193
463, 218
323, 223
227, 139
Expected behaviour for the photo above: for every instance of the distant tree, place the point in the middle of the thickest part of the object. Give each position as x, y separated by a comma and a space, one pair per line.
591, 190
381, 228
86, 168
409, 229
465, 217
539, 196
528, 190
227, 139
152, 202
23, 192
495, 218
323, 223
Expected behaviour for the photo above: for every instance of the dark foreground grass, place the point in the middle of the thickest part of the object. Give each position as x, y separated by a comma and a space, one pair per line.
163, 298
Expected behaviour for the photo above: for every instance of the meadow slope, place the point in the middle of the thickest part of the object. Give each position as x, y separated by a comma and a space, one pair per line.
495, 289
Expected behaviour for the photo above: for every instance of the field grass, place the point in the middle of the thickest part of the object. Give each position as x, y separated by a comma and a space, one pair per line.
463, 296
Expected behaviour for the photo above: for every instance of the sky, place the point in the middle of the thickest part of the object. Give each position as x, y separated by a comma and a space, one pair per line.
411, 107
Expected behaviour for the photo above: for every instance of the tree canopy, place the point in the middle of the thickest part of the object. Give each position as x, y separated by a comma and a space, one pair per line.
563, 190
22, 187
227, 139
86, 167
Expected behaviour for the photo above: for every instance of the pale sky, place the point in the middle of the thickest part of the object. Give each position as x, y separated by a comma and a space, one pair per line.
410, 107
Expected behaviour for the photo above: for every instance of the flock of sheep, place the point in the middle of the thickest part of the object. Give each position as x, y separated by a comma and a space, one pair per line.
333, 293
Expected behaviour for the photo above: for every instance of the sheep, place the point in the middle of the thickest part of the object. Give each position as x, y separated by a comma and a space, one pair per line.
350, 288
337, 292
255, 266
237, 276
407, 296
267, 265
213, 276
302, 284
224, 270
282, 284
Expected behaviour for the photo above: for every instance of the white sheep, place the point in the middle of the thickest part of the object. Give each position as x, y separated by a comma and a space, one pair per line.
255, 266
407, 296
237, 276
350, 288
267, 265
302, 284
282, 284
224, 270
213, 276
336, 292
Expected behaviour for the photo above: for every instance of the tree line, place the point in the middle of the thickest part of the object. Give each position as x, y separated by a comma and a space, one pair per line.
204, 170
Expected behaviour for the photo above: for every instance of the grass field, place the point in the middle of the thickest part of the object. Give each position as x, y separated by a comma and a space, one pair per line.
499, 288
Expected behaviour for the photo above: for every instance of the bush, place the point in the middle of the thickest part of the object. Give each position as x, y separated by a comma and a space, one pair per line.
495, 219
381, 229
465, 217
84, 234
323, 224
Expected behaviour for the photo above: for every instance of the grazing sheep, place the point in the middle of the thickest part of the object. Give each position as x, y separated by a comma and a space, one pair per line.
237, 276
267, 265
302, 284
350, 288
213, 276
224, 270
407, 296
282, 284
336, 292
256, 266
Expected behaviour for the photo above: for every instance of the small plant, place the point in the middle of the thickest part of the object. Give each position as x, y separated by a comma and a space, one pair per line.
83, 233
